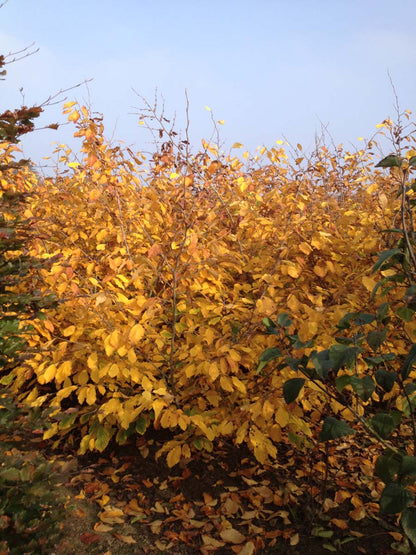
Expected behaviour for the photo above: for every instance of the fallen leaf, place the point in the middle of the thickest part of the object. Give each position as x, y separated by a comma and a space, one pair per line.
125, 539
294, 540
212, 542
248, 549
88, 538
100, 527
231, 535
339, 523
112, 516
358, 514
155, 526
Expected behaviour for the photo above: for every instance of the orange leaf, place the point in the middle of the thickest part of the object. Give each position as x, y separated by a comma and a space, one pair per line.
339, 523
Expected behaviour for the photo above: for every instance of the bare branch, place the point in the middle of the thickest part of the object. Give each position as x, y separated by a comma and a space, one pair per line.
20, 54
48, 101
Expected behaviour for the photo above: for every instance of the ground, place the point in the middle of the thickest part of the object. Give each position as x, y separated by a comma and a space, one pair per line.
225, 502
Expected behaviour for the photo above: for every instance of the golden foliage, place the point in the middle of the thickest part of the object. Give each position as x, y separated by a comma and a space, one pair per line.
165, 273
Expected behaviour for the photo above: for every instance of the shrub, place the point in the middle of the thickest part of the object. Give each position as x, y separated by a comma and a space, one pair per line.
367, 375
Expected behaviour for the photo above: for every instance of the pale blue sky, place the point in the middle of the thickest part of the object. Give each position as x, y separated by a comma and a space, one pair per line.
269, 68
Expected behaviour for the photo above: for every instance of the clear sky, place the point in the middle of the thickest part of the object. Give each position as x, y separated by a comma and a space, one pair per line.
269, 68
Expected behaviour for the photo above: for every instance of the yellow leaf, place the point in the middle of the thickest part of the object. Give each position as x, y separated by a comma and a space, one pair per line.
320, 271
221, 121
239, 385
51, 431
74, 116
112, 515
92, 361
226, 384
237, 145
372, 188
68, 105
213, 371
70, 330
282, 417
82, 378
305, 248
49, 374
369, 283
241, 433
174, 456
147, 384
136, 334
91, 396
157, 406
268, 409
114, 339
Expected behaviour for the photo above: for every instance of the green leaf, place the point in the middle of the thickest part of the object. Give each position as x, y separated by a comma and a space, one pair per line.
383, 257
342, 382
320, 532
408, 466
410, 388
333, 429
363, 318
270, 326
141, 425
385, 379
387, 466
10, 474
390, 161
67, 421
266, 356
103, 438
408, 520
291, 389
197, 442
322, 362
284, 320
412, 161
383, 424
395, 498
408, 363
345, 322
382, 311
363, 387
405, 313
297, 343
345, 340
343, 355
376, 338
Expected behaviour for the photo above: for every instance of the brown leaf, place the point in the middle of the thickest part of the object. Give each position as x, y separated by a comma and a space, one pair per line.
231, 535
358, 514
88, 538
112, 515
248, 549
100, 527
155, 526
339, 523
211, 542
125, 539
294, 540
